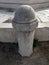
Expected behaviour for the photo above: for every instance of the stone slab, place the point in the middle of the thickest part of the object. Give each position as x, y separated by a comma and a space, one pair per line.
42, 32
43, 15
7, 33
4, 16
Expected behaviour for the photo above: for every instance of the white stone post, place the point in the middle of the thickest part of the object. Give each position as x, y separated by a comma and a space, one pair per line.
25, 23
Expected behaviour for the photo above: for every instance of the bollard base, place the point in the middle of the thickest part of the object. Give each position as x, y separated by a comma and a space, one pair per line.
25, 43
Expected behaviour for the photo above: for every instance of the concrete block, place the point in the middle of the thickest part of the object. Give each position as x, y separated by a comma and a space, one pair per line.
7, 33
42, 32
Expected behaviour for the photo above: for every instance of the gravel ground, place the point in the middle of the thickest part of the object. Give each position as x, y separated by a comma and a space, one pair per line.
10, 56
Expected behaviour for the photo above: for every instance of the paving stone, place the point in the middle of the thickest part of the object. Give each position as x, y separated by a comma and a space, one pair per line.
43, 15
4, 16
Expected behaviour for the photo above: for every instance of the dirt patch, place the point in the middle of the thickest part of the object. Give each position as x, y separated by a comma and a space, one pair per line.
9, 55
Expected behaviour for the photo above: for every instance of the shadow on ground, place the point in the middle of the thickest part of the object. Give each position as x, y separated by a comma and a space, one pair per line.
10, 56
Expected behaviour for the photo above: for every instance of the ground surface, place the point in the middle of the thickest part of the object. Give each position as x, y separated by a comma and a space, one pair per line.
10, 56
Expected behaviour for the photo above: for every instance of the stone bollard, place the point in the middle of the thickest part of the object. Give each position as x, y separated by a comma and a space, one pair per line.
25, 23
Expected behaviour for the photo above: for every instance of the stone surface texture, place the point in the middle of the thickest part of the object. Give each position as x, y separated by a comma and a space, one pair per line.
25, 23
42, 32
25, 19
25, 42
6, 3
6, 29
5, 16
7, 33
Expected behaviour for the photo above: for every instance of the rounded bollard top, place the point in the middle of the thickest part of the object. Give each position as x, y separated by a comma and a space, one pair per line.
24, 14
25, 19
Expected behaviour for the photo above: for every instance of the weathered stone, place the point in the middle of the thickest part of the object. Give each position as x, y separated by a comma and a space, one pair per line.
16, 3
42, 32
25, 19
6, 16
25, 23
7, 33
25, 42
